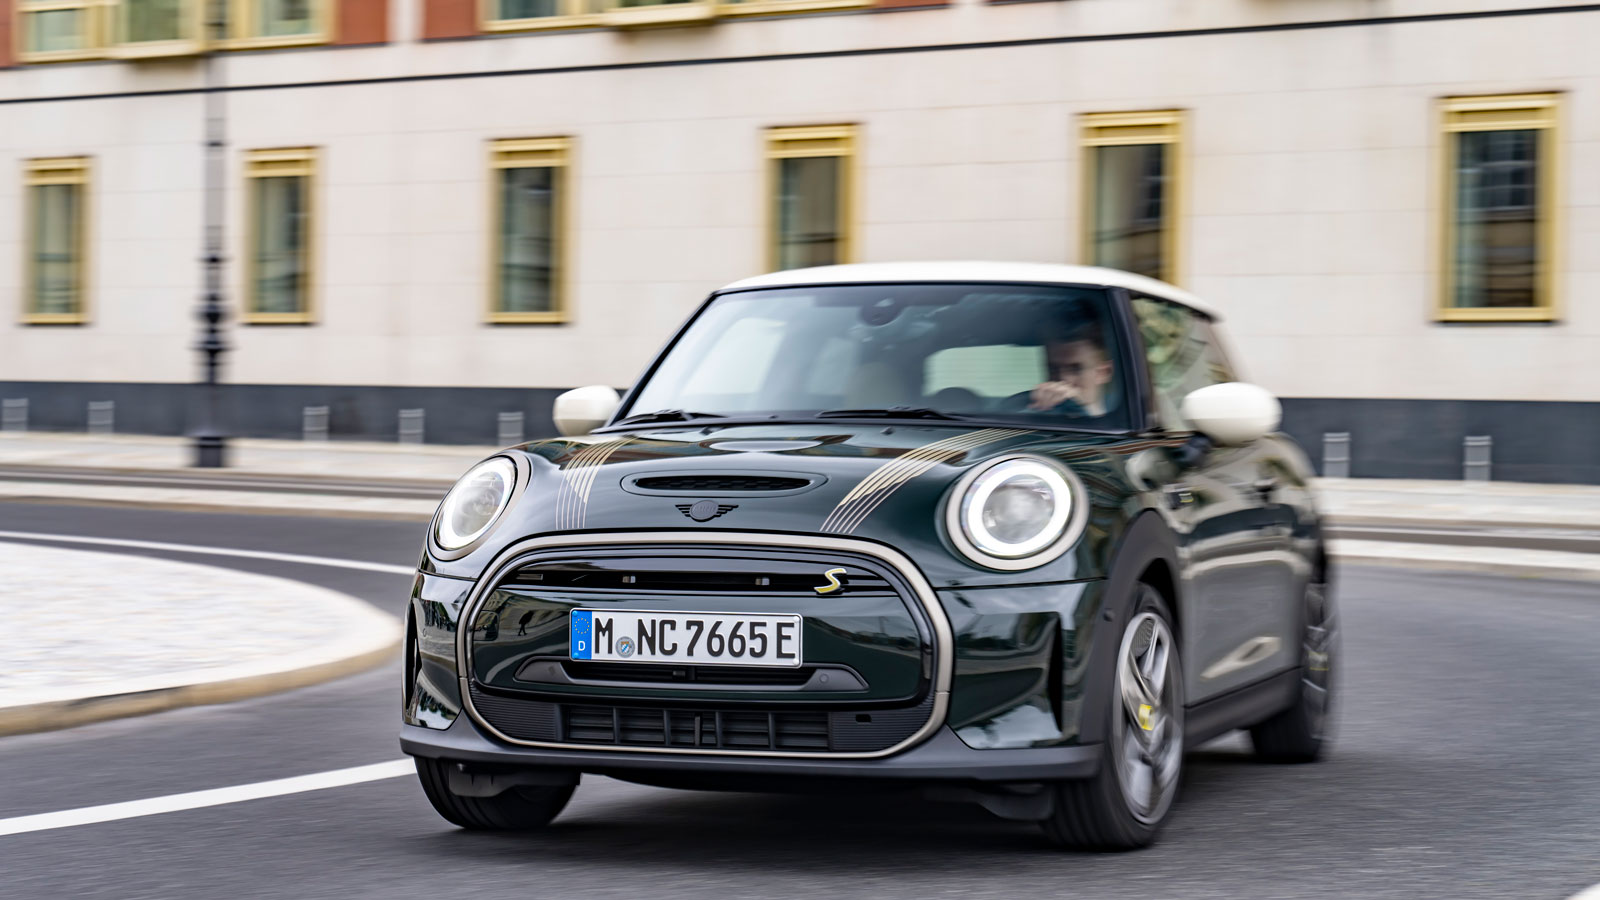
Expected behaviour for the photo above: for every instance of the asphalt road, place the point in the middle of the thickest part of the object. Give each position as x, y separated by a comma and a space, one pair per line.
1464, 767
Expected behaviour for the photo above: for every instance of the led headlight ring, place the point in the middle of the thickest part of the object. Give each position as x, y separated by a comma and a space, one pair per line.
985, 504
476, 502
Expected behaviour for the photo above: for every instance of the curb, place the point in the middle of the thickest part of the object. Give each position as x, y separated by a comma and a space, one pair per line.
182, 647
57, 714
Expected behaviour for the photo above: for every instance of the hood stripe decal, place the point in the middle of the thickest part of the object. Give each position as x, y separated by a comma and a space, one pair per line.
572, 501
881, 484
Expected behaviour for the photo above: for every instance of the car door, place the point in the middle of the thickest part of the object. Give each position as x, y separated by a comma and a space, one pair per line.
1236, 612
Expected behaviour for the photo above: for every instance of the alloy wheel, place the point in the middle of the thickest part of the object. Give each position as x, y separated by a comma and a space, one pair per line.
1320, 639
1147, 735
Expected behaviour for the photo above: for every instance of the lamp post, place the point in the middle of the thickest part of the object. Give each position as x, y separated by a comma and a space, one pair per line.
210, 441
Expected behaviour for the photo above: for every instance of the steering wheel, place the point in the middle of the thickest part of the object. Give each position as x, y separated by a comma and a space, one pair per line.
956, 400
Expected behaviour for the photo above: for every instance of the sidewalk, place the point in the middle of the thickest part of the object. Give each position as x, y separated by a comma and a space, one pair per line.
94, 636
436, 463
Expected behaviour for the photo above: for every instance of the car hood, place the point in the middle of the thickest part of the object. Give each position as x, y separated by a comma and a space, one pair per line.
883, 483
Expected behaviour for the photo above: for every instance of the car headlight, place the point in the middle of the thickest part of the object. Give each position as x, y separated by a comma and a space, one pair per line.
1018, 512
473, 505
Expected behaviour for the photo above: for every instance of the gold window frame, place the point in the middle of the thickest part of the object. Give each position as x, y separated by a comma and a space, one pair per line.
813, 141
781, 7
609, 14
1502, 112
1123, 129
241, 18
74, 170
94, 20
574, 14
528, 153
191, 44
283, 162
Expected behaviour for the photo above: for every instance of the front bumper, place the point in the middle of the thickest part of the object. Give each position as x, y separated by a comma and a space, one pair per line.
942, 757
1008, 667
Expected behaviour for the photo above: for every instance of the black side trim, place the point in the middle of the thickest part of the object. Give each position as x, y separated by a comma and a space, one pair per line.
1240, 708
845, 54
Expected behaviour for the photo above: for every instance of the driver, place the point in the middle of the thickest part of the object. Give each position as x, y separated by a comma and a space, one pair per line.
1079, 372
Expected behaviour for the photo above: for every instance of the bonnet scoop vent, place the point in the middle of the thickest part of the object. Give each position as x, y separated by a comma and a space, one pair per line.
702, 484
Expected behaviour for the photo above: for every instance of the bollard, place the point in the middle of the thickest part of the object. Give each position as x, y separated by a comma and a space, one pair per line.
14, 415
1476, 453
1336, 454
102, 416
510, 428
314, 423
411, 426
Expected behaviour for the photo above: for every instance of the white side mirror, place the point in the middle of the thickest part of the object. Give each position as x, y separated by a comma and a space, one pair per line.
1234, 413
582, 410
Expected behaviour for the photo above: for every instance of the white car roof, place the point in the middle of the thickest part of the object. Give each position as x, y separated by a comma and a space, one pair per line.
1042, 273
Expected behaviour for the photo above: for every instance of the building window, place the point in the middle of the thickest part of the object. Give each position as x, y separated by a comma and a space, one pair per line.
59, 30
278, 23
529, 199
52, 30
56, 237
1499, 208
811, 195
1132, 176
279, 235
516, 15
142, 28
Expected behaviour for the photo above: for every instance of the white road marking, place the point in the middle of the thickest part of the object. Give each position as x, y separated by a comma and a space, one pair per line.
1592, 893
213, 551
133, 809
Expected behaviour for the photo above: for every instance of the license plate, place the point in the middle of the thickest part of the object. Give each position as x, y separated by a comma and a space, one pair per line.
722, 639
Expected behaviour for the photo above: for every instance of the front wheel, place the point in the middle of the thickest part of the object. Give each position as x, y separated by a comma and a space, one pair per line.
520, 808
1299, 733
1123, 805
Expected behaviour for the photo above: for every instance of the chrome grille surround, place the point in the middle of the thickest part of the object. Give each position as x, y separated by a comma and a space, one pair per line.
514, 556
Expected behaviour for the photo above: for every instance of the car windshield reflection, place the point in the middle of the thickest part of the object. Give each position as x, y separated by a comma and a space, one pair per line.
1014, 354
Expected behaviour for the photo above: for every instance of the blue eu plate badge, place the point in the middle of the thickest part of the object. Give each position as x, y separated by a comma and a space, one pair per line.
582, 629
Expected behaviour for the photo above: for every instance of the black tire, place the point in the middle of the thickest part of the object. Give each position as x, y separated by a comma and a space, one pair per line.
521, 808
1300, 733
1096, 813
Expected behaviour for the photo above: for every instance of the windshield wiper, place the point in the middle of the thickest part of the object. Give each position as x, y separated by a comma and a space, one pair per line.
666, 415
892, 412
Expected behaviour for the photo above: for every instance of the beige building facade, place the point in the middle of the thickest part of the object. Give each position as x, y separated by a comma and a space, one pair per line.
1310, 180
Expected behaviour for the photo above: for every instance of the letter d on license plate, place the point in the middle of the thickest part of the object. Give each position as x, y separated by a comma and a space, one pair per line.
723, 639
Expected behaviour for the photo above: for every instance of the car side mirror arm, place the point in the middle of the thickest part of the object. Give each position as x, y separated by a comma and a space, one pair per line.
1192, 452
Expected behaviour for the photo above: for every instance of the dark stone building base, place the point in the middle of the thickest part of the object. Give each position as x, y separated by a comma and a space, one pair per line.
1534, 441
453, 415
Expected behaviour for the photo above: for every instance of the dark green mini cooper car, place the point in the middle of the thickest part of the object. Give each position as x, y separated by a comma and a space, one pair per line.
1014, 534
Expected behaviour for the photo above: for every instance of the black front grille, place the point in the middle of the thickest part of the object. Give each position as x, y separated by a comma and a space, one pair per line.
707, 729
711, 484
703, 728
649, 672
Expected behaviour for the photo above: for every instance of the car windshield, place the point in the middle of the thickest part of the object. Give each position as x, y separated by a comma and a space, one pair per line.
1025, 354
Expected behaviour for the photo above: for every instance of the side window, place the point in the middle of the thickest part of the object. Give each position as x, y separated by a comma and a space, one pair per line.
1183, 354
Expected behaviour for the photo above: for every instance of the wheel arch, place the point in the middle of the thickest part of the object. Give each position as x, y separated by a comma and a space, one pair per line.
1147, 553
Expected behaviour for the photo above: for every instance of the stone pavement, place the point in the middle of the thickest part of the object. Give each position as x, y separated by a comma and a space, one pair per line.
1398, 502
442, 463
92, 636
